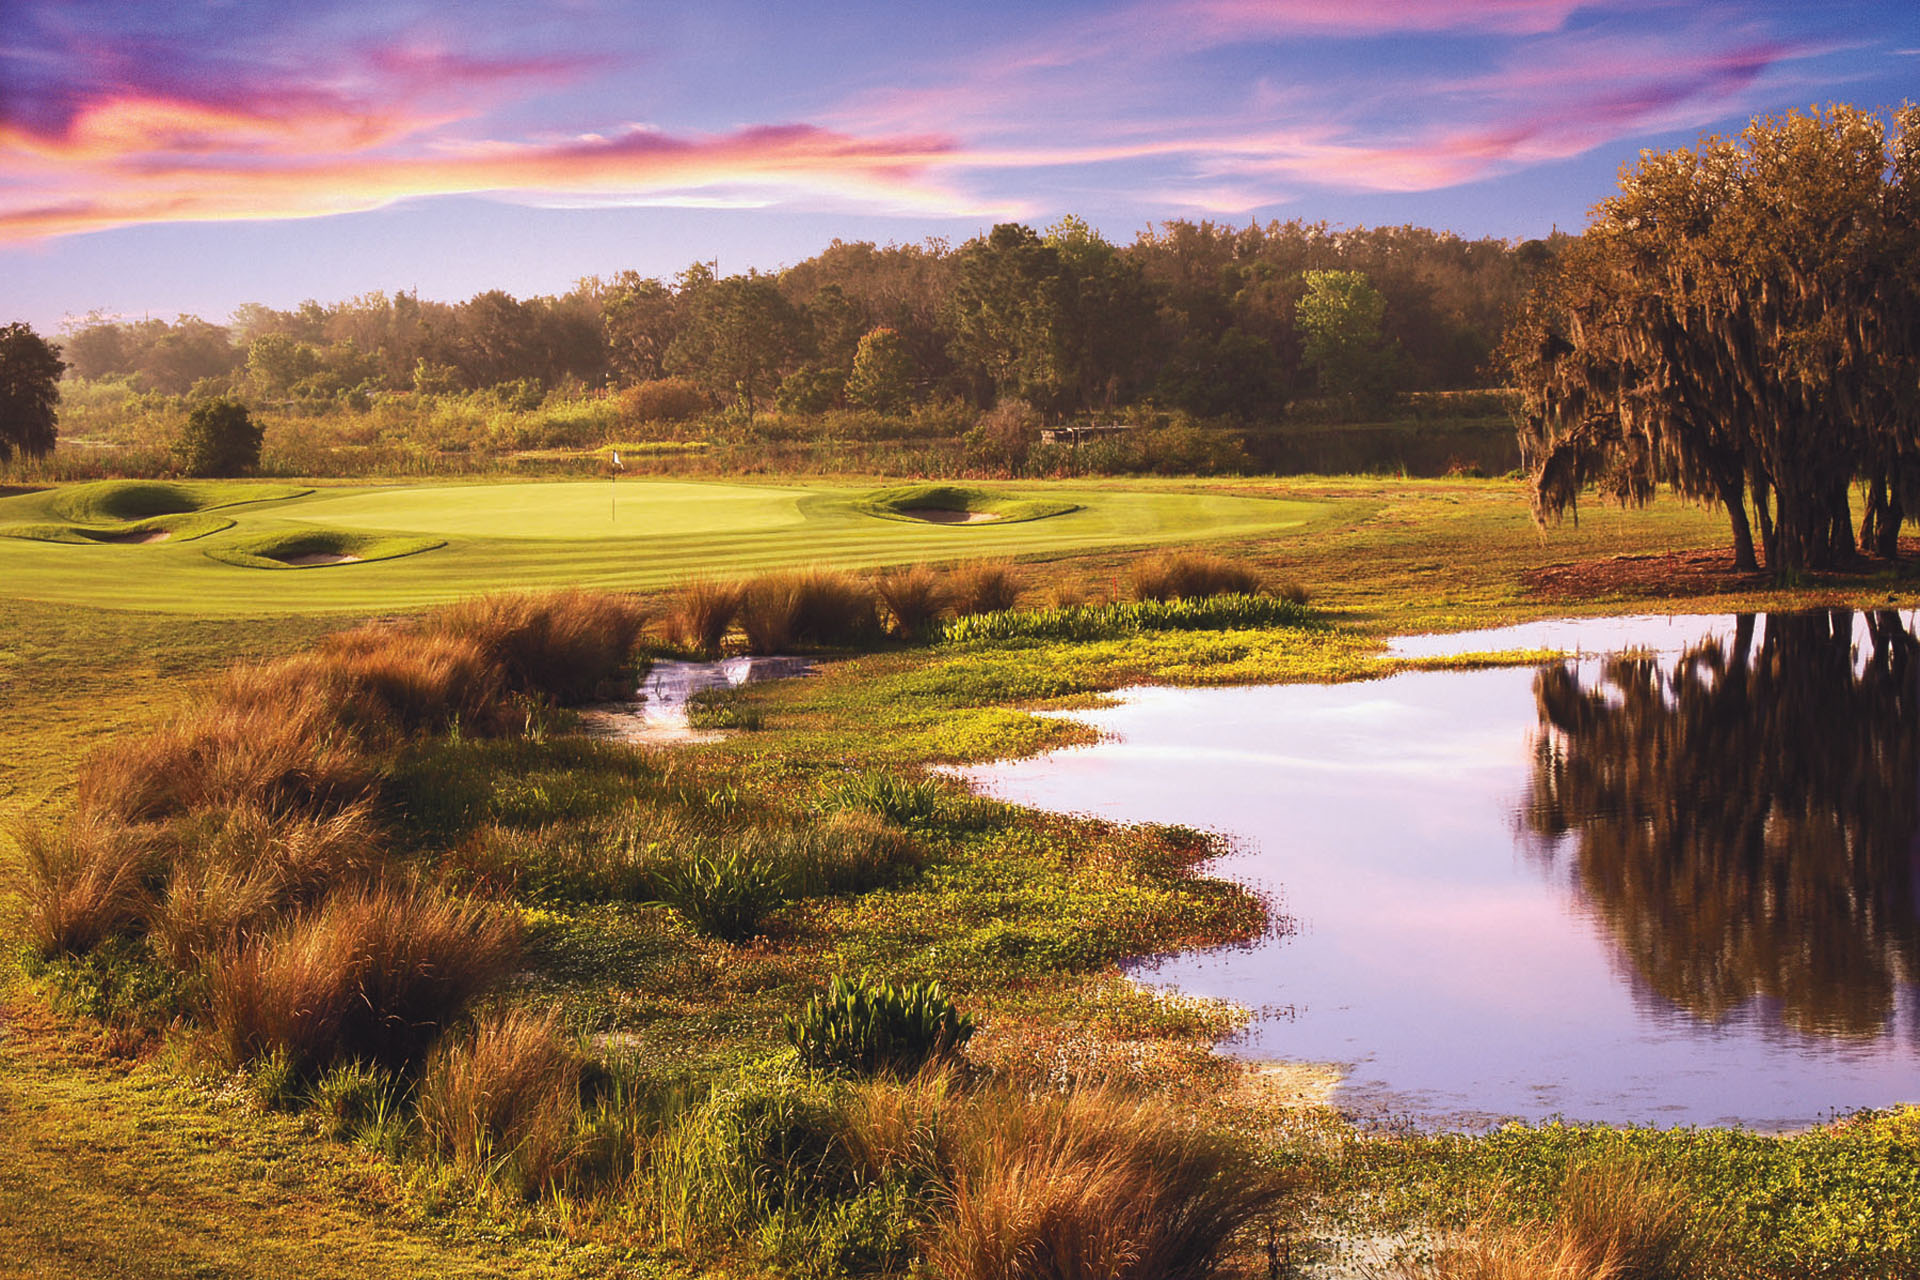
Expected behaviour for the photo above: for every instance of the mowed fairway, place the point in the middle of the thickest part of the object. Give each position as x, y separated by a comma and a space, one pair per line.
638, 534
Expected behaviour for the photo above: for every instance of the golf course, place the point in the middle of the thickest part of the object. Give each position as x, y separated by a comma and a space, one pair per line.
238, 548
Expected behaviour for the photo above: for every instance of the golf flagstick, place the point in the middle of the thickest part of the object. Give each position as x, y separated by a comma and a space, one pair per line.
613, 489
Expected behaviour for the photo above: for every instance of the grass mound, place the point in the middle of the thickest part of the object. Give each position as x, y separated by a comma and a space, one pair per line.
118, 500
954, 504
319, 548
181, 527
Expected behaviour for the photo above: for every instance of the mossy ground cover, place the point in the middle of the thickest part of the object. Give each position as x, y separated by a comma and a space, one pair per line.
1021, 915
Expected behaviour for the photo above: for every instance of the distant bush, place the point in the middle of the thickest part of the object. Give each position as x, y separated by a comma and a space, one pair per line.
663, 400
1189, 575
871, 1027
1005, 436
220, 438
1108, 621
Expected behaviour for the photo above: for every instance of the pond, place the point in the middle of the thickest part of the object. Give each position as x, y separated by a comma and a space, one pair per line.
1671, 878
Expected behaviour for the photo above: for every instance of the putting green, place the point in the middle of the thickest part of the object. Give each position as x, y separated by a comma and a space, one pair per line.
638, 534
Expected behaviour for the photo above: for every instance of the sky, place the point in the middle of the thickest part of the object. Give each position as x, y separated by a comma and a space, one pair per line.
163, 158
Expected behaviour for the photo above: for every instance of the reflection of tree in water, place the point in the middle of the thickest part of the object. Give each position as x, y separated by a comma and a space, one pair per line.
1746, 819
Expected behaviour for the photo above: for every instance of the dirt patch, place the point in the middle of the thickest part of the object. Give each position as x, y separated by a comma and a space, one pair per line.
942, 515
140, 539
1682, 573
310, 558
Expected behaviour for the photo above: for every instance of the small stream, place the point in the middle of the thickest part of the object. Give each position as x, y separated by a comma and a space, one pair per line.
657, 714
1672, 878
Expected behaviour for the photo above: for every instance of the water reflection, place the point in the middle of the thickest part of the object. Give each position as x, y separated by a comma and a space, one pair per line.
1743, 817
1671, 885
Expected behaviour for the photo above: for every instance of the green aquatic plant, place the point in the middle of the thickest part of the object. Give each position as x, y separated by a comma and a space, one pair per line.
869, 1027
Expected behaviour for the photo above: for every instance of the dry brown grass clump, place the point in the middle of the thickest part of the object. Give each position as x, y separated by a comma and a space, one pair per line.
703, 610
501, 1099
914, 599
564, 645
983, 587
1190, 575
233, 872
283, 756
1095, 1184
372, 974
85, 882
806, 607
1612, 1221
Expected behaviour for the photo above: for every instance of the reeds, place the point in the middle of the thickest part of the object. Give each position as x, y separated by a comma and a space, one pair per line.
983, 587
1612, 1220
500, 1100
806, 607
1191, 575
564, 645
1091, 1185
703, 611
84, 882
372, 974
914, 599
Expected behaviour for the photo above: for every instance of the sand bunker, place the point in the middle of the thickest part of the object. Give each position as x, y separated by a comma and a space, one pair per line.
308, 558
142, 538
944, 515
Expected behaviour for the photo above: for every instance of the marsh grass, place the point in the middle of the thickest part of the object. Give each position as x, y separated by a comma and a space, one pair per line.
1192, 575
1612, 1220
1083, 623
808, 608
914, 599
83, 883
500, 1100
983, 587
703, 611
371, 974
565, 645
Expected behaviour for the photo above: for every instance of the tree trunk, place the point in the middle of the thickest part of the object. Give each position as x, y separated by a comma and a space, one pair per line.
1841, 547
1733, 497
1769, 539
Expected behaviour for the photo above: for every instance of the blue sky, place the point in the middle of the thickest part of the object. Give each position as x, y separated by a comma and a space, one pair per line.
165, 158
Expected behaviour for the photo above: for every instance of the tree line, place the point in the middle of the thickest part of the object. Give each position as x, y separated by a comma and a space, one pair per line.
1215, 321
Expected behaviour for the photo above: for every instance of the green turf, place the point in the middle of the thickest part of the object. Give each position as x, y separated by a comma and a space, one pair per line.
184, 527
902, 501
633, 534
108, 500
291, 549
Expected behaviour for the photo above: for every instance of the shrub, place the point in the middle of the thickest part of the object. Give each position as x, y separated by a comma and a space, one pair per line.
564, 645
499, 1101
1091, 1185
220, 439
662, 400
914, 599
1187, 575
984, 587
872, 1027
370, 974
1004, 436
85, 882
703, 610
1612, 1220
725, 895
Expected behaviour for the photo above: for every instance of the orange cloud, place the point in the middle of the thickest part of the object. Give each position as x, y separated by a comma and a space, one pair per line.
142, 160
